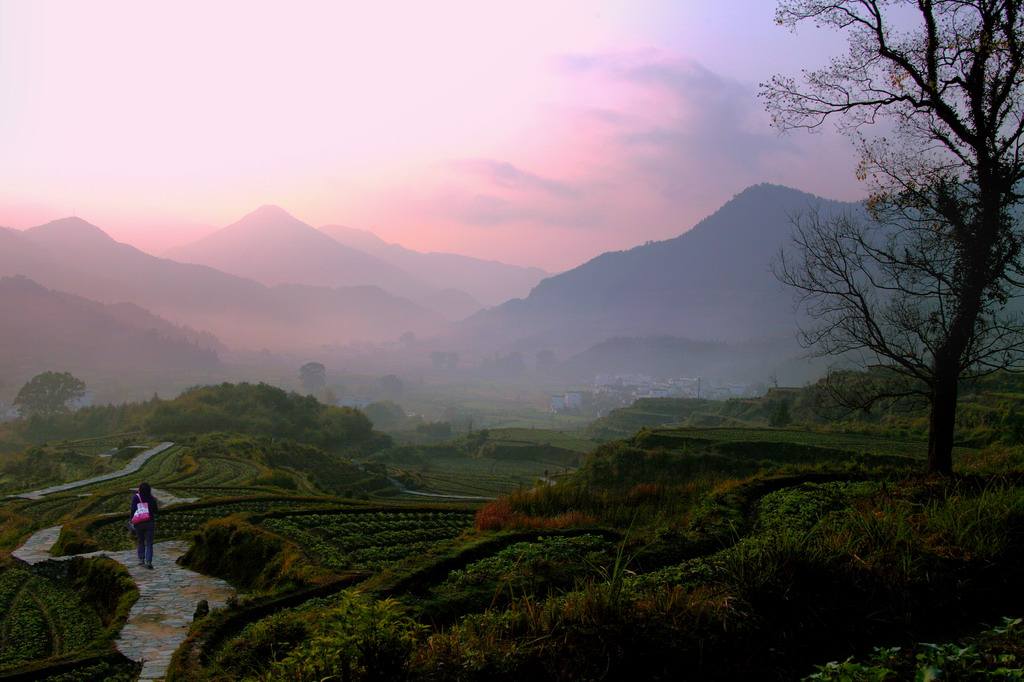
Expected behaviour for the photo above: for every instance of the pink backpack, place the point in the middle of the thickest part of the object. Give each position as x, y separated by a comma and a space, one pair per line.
141, 511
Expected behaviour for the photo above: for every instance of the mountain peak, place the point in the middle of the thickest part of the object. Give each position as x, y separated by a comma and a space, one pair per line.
68, 230
270, 211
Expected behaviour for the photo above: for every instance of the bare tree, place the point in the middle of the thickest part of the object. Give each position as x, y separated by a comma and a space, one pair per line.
921, 280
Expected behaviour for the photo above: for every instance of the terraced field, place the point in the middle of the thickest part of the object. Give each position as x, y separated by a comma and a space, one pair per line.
559, 439
39, 619
369, 539
479, 476
837, 441
181, 521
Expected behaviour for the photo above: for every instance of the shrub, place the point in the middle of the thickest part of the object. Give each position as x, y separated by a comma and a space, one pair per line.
249, 558
355, 638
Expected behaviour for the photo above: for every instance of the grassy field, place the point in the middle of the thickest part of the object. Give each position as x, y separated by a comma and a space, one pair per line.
838, 441
765, 550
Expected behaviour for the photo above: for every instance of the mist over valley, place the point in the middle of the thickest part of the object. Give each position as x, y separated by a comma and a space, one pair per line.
270, 290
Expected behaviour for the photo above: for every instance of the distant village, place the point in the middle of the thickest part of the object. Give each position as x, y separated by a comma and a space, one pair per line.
625, 389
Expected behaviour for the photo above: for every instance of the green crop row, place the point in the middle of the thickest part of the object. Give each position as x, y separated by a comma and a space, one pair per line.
39, 618
24, 635
839, 441
220, 471
368, 541
49, 510
181, 522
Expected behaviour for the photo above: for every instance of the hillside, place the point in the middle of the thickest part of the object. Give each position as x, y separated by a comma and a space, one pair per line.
732, 553
41, 329
74, 256
273, 247
711, 283
489, 281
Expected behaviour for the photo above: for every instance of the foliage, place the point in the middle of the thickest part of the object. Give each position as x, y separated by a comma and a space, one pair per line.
53, 615
545, 567
995, 654
780, 415
644, 413
353, 638
313, 376
276, 479
597, 632
264, 643
921, 282
384, 414
41, 466
102, 671
367, 538
260, 410
441, 430
328, 472
249, 558
107, 587
48, 393
88, 421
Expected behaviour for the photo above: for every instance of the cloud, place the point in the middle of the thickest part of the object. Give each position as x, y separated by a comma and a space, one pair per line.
681, 126
504, 174
637, 145
487, 210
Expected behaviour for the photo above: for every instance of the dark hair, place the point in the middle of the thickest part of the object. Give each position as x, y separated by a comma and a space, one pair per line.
144, 490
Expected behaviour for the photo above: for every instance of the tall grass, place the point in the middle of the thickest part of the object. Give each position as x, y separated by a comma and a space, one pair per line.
978, 524
563, 506
597, 631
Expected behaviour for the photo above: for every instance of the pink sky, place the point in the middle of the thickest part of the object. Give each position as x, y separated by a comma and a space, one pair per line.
535, 132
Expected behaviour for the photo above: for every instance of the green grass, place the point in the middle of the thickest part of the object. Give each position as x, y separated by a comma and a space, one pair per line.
478, 476
838, 441
559, 439
368, 539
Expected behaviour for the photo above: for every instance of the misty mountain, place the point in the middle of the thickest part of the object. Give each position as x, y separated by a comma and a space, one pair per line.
272, 247
43, 329
72, 255
488, 281
711, 283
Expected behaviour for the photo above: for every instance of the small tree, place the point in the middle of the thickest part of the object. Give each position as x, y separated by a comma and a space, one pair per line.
313, 376
48, 393
391, 387
920, 281
384, 414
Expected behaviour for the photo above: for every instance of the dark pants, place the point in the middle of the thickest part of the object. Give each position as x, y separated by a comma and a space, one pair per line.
144, 540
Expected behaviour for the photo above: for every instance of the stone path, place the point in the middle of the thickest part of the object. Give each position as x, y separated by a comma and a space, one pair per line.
168, 593
129, 468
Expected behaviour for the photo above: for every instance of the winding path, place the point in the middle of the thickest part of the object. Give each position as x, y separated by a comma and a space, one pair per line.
129, 468
168, 594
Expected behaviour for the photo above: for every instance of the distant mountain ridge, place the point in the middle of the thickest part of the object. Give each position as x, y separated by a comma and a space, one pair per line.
273, 247
489, 281
711, 283
74, 256
43, 329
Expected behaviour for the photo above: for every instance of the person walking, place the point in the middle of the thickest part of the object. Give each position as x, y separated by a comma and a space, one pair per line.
143, 517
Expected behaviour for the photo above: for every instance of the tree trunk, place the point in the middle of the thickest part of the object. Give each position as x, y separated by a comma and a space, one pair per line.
941, 420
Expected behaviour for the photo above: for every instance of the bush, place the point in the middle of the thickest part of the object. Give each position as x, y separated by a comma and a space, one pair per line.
354, 638
249, 558
259, 410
